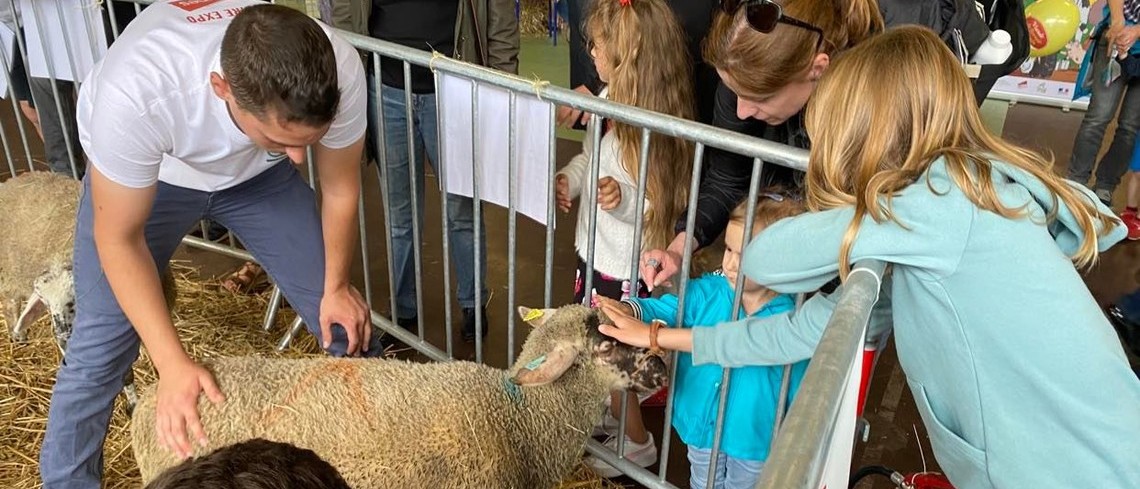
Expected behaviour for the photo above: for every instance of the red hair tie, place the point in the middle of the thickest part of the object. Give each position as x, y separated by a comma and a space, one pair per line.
625, 3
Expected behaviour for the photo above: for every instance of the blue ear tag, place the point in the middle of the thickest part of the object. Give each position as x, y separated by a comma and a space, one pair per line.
536, 363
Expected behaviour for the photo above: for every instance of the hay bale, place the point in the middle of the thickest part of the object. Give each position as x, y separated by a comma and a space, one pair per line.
212, 323
534, 16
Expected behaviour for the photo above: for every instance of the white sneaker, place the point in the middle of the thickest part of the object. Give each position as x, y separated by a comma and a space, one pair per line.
642, 454
608, 427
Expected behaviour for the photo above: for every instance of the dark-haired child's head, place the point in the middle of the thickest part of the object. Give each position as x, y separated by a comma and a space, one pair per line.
254, 464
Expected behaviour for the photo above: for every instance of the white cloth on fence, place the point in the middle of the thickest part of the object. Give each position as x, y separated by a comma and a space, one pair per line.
533, 119
8, 45
73, 41
148, 111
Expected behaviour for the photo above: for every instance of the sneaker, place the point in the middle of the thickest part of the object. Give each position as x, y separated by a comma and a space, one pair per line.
469, 324
1105, 195
642, 454
1132, 222
608, 427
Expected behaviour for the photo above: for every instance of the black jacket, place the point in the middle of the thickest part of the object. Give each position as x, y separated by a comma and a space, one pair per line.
726, 176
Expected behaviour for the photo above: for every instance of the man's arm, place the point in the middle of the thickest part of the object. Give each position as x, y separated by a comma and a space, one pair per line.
502, 36
120, 215
339, 176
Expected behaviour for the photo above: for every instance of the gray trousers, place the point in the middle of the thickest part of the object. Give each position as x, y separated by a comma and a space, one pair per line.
55, 127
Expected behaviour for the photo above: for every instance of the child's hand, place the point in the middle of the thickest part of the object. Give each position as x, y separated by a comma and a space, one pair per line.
562, 193
603, 302
625, 329
609, 193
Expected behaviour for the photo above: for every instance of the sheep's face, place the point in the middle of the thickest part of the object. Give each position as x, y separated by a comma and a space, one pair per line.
54, 291
569, 335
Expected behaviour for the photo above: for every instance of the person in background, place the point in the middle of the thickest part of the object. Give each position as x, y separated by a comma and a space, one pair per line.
770, 56
484, 32
634, 44
1117, 33
695, 16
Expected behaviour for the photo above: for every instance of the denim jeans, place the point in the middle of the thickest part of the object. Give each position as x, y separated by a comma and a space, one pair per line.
731, 473
1102, 109
275, 216
460, 209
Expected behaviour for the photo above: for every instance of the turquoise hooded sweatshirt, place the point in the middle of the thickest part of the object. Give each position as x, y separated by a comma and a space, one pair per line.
1017, 374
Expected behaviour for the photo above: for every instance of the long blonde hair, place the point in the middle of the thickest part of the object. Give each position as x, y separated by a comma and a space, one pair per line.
761, 64
887, 110
651, 69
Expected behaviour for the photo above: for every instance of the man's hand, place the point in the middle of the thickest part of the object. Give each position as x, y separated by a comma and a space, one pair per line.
1126, 38
562, 193
347, 308
625, 329
177, 405
568, 116
609, 193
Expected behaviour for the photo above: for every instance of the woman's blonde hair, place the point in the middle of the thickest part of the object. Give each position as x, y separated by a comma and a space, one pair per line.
892, 106
761, 64
651, 69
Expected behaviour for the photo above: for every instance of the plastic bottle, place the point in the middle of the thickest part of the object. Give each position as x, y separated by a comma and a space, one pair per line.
995, 51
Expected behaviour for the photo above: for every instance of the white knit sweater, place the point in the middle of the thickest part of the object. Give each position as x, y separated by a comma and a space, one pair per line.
613, 246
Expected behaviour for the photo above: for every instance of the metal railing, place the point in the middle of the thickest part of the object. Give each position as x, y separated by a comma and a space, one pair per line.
798, 450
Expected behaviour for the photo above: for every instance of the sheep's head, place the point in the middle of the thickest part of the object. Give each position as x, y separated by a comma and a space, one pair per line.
53, 290
569, 335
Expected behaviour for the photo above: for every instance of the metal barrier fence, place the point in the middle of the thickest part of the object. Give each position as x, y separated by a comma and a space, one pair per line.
799, 451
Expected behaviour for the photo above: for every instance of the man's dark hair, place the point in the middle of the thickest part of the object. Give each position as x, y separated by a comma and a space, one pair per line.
279, 61
254, 464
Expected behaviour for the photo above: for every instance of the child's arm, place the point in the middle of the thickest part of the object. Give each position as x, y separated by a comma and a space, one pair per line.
626, 192
578, 169
772, 340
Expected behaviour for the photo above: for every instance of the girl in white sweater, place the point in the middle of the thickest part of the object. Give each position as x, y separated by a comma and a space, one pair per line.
639, 50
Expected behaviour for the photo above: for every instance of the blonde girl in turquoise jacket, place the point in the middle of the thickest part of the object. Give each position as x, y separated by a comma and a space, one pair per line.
1018, 376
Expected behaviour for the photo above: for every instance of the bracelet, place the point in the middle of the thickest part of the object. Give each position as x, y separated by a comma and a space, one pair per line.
654, 327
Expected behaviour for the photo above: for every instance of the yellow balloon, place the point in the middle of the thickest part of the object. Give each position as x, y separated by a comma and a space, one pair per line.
1052, 24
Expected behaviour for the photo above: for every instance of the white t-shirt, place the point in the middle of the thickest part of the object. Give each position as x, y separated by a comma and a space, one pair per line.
147, 111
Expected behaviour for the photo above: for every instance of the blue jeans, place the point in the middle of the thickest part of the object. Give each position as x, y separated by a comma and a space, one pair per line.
1101, 111
731, 473
274, 215
460, 209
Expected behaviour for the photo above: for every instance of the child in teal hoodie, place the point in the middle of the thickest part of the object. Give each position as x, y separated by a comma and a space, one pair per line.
1018, 376
754, 392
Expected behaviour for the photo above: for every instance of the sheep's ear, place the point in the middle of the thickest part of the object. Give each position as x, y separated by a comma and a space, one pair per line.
535, 317
33, 310
546, 368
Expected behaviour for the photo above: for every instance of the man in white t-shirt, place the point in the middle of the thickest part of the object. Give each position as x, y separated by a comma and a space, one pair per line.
178, 121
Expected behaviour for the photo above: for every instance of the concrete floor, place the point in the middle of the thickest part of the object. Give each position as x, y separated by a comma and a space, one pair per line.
896, 438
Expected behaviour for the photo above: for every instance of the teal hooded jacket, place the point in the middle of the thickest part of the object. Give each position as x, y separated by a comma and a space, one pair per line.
1019, 378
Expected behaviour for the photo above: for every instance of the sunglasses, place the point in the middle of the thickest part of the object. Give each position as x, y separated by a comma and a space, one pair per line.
763, 15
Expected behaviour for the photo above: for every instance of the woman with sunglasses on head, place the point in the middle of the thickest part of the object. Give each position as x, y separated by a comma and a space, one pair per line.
769, 56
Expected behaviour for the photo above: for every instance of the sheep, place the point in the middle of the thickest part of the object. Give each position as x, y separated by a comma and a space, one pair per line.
393, 423
37, 216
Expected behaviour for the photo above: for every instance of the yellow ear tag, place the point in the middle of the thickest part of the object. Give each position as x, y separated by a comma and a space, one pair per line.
532, 315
